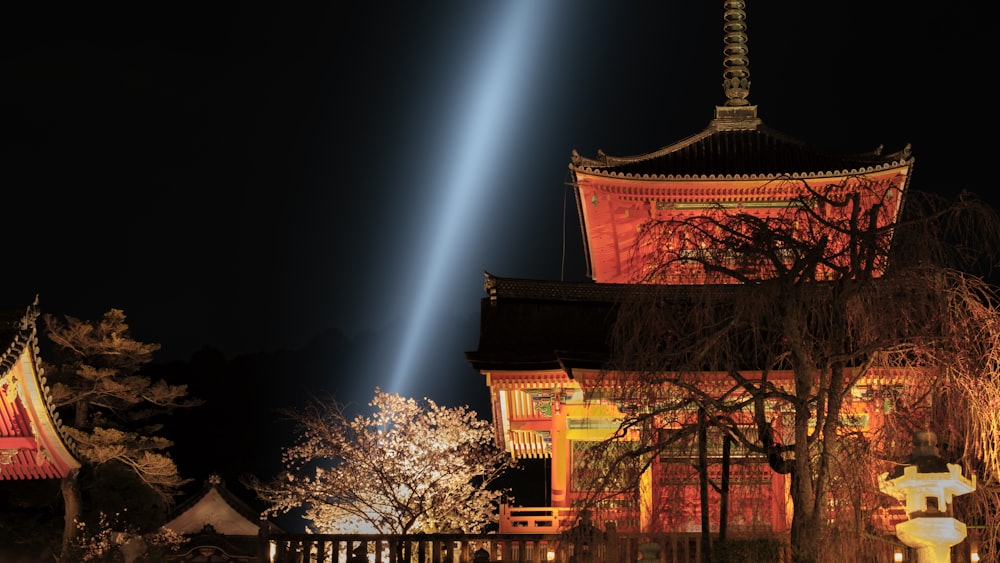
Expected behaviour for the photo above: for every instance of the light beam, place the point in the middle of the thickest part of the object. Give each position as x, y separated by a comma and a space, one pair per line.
481, 126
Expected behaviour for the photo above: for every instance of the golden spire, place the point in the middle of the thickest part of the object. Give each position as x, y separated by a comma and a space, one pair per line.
737, 113
735, 63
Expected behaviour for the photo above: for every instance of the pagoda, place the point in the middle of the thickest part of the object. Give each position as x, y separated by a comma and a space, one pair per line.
544, 346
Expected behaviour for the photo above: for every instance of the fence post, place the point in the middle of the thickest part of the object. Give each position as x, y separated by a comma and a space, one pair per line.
263, 541
611, 551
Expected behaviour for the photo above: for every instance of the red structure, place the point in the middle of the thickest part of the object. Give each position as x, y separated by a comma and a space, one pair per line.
544, 345
32, 442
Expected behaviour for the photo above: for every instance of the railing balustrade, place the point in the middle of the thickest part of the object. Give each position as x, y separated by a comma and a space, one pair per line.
609, 547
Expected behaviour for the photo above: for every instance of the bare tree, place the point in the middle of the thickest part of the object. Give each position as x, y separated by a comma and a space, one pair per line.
968, 407
761, 326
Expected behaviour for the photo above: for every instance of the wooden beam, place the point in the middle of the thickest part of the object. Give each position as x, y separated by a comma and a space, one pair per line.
17, 443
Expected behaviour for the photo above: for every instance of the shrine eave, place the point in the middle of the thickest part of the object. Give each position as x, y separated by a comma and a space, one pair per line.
537, 325
484, 363
563, 360
757, 153
33, 442
189, 509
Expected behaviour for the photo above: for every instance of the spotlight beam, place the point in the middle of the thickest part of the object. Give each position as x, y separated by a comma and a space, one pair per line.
480, 128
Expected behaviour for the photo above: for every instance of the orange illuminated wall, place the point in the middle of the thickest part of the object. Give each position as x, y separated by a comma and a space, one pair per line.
614, 211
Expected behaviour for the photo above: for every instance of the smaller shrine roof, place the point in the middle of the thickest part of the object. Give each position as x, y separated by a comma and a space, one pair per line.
218, 525
215, 508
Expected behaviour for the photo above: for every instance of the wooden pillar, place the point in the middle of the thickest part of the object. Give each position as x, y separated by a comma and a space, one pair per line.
780, 501
560, 453
263, 541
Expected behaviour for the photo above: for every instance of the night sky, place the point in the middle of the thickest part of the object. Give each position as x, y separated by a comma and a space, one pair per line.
271, 178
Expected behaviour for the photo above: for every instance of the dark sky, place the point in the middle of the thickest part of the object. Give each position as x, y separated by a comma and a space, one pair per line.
253, 176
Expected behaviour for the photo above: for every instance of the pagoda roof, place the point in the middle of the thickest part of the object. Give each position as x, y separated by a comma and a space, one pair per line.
738, 145
530, 324
33, 442
537, 325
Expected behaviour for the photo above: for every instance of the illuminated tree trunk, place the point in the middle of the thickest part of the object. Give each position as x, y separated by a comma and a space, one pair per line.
73, 502
805, 531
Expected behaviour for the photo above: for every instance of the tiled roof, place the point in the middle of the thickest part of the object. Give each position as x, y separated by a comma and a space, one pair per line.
739, 147
537, 325
217, 506
33, 444
528, 325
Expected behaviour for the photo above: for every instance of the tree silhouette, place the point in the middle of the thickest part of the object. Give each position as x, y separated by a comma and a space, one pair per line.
761, 325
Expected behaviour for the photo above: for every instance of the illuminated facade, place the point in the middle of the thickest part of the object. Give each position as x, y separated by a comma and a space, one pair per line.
33, 444
544, 345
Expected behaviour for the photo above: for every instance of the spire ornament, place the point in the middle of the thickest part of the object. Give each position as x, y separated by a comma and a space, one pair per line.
736, 114
736, 64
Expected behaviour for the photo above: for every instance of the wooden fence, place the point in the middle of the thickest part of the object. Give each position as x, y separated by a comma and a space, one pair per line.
607, 547
463, 548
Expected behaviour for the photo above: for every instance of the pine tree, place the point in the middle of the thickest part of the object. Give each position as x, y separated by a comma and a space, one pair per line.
111, 408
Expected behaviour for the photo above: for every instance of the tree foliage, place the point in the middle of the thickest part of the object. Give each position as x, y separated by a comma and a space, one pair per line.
407, 467
787, 312
111, 408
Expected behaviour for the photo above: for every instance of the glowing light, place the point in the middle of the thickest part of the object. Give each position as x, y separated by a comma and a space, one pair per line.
551, 555
482, 127
897, 556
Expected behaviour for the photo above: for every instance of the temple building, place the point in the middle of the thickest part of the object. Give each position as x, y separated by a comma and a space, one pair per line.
217, 525
33, 444
545, 346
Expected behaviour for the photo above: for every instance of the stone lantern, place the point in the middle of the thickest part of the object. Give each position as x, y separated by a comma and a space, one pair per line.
927, 484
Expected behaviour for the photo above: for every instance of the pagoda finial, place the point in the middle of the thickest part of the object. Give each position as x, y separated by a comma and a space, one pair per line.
736, 113
736, 64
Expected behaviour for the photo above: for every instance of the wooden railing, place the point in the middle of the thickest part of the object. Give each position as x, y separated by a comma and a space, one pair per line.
462, 548
570, 546
554, 520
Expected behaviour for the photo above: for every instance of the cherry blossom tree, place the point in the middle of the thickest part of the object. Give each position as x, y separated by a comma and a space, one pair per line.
408, 467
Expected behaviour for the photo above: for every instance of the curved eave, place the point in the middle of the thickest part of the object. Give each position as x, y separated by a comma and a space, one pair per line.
33, 444
559, 360
52, 442
749, 151
483, 363
838, 173
218, 506
218, 510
